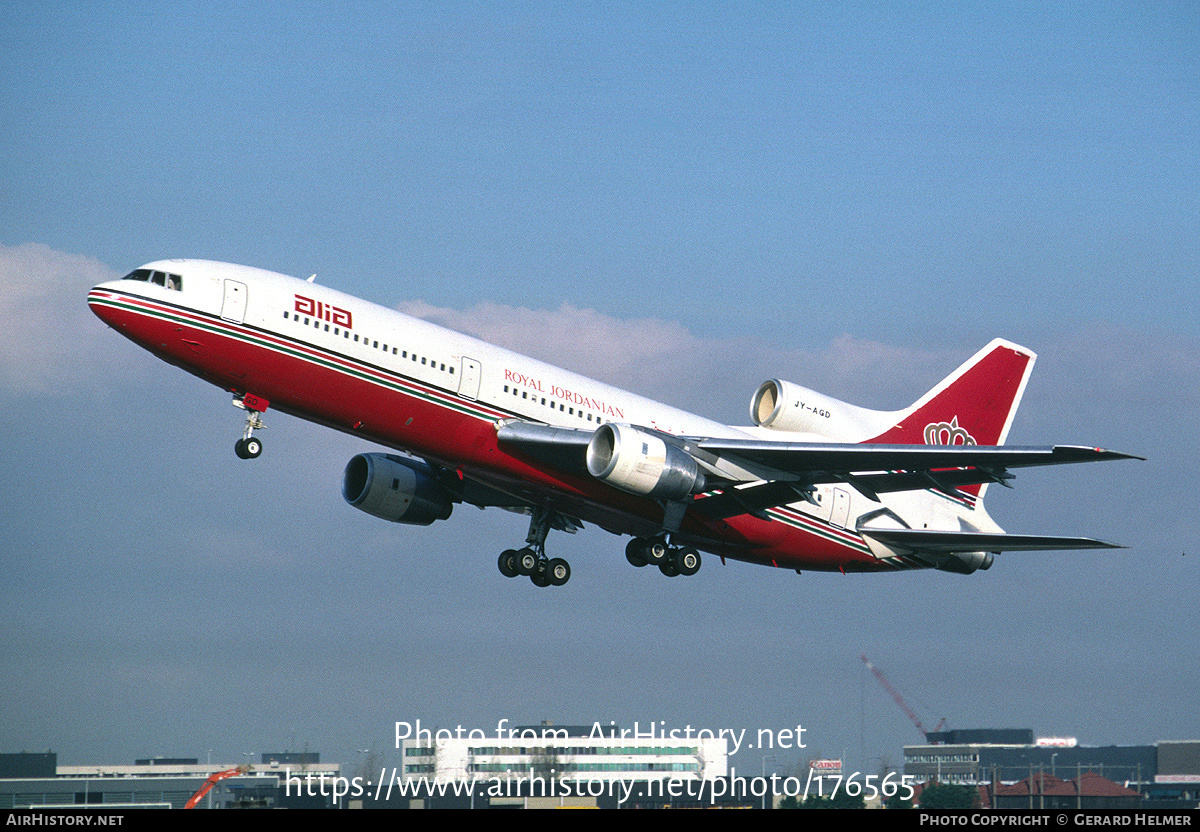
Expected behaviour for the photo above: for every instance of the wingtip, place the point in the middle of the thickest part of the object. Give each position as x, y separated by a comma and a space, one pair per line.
1101, 454
1119, 454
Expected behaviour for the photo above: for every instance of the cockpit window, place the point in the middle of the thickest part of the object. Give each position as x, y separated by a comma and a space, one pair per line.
164, 279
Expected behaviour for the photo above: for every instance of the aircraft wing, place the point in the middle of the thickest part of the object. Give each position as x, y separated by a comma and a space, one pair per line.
875, 469
809, 458
752, 475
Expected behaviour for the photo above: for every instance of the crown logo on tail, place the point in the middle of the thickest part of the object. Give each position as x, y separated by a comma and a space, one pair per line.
947, 433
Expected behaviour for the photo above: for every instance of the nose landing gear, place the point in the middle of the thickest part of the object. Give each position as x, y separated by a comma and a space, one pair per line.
248, 447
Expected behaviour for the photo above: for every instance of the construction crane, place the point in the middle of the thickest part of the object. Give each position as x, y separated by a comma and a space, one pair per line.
212, 781
916, 720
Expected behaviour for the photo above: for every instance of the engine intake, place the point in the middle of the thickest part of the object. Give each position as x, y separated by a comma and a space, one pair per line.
395, 488
642, 463
787, 406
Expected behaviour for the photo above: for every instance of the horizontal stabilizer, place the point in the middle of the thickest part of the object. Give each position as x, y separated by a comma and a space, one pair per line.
926, 540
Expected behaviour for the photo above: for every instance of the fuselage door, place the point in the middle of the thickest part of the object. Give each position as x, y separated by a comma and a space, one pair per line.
468, 381
233, 308
841, 508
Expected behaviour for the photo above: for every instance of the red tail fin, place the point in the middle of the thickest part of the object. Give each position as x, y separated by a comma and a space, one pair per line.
974, 405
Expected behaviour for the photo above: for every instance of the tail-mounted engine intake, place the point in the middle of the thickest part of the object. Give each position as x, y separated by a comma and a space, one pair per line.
785, 405
395, 488
642, 463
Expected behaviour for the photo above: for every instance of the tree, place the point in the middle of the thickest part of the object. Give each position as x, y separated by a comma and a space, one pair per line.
545, 766
370, 765
939, 796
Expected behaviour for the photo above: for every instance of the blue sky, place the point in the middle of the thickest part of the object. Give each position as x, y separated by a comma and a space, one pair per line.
684, 201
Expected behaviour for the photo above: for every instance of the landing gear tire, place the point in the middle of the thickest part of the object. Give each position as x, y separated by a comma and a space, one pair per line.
686, 560
527, 562
558, 571
635, 552
668, 568
657, 551
508, 563
531, 560
248, 448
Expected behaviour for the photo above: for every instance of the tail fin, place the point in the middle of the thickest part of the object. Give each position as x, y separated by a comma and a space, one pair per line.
974, 405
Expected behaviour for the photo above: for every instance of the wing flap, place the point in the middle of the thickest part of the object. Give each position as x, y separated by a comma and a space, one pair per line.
947, 542
753, 499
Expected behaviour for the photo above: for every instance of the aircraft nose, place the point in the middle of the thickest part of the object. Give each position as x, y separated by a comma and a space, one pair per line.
103, 300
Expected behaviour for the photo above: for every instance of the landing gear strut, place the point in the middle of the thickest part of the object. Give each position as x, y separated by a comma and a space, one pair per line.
531, 561
248, 447
670, 560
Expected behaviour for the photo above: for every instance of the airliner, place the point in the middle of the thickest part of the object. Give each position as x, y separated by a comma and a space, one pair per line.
813, 484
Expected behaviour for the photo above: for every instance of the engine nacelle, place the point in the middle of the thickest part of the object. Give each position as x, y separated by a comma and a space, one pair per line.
964, 563
642, 463
395, 488
785, 405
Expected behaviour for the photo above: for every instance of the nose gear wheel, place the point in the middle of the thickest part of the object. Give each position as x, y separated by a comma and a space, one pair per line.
249, 447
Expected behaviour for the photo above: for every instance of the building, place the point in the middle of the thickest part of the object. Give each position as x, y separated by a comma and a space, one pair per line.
1009, 755
566, 752
32, 781
1177, 776
1088, 791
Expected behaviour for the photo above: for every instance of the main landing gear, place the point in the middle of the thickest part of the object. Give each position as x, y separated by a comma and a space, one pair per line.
670, 560
248, 447
532, 561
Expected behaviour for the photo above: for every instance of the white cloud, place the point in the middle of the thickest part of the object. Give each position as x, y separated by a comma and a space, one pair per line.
582, 338
48, 340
